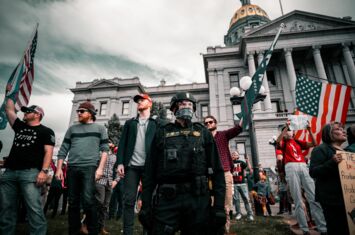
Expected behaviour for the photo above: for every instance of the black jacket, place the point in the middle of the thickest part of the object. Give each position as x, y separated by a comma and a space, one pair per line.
154, 173
325, 172
128, 140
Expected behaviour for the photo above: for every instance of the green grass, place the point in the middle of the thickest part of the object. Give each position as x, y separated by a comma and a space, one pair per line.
274, 225
262, 225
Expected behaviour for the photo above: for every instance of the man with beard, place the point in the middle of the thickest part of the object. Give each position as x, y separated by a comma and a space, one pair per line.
222, 139
26, 169
134, 146
83, 143
177, 167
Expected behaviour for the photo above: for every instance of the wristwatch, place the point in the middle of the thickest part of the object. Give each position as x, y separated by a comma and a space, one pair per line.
45, 170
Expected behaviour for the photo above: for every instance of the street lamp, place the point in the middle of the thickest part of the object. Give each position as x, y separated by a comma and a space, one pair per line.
237, 96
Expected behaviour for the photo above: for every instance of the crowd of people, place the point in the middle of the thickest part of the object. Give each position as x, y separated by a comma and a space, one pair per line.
186, 175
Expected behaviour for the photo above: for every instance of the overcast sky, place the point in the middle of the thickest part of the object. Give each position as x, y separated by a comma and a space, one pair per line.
80, 40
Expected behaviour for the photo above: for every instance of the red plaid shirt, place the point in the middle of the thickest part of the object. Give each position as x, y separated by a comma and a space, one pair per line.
222, 141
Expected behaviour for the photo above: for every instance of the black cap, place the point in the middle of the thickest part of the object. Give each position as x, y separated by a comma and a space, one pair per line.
33, 108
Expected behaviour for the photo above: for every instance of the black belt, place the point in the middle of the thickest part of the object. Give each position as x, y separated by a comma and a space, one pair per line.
177, 188
170, 191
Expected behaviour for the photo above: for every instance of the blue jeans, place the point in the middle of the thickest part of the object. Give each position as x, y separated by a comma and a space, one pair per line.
116, 202
241, 189
12, 183
81, 191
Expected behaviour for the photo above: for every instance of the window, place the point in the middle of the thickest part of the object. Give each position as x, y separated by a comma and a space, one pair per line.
298, 71
204, 110
271, 77
275, 106
234, 80
103, 108
125, 108
241, 149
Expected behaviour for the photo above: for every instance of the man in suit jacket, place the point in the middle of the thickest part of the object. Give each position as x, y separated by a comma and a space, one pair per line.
134, 146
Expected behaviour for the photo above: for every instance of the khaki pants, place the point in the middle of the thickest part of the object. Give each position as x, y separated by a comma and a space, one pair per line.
229, 197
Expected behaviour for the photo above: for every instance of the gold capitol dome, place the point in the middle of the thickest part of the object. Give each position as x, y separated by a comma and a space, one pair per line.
246, 10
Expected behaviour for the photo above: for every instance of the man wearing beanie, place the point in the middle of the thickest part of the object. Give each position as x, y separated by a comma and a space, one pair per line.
85, 144
134, 146
26, 169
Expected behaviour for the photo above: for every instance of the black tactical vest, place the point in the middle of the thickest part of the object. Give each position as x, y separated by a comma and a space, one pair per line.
181, 152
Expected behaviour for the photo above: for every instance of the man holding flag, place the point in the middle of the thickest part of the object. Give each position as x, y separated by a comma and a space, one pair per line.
26, 168
297, 177
31, 152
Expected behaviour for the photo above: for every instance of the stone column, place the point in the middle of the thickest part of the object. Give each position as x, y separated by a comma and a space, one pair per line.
212, 86
221, 97
291, 73
319, 62
252, 69
349, 63
251, 64
267, 101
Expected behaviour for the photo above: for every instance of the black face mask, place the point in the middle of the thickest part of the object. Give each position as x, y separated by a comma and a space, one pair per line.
184, 113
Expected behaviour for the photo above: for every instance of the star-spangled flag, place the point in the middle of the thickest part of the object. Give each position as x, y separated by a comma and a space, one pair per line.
257, 81
21, 80
323, 102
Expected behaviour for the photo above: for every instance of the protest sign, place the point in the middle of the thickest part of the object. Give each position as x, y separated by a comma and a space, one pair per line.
347, 178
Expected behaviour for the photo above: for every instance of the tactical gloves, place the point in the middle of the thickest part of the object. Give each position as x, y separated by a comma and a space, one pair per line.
145, 216
219, 217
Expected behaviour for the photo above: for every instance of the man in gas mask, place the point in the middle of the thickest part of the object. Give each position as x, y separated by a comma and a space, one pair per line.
176, 172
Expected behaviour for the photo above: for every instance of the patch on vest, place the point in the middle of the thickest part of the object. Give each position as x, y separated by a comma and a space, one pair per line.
196, 133
172, 134
184, 133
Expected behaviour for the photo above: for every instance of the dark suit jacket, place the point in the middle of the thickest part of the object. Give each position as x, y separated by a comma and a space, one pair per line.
128, 140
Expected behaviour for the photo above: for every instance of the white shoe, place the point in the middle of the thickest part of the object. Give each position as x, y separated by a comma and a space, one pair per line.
250, 218
238, 217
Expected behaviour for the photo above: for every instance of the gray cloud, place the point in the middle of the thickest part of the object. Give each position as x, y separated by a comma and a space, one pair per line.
80, 40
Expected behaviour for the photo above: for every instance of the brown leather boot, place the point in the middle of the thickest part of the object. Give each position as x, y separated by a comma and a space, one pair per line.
104, 232
84, 229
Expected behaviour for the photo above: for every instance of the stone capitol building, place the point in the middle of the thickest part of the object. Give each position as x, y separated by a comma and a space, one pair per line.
320, 46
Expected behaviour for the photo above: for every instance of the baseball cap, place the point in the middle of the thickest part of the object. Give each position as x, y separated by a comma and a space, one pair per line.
142, 96
33, 108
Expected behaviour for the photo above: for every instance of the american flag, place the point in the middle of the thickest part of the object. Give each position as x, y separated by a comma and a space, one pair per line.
21, 80
323, 102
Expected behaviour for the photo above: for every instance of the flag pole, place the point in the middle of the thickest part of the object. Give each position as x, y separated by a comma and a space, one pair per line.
282, 10
282, 25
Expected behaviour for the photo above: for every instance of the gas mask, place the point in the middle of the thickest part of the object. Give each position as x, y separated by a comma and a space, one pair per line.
184, 113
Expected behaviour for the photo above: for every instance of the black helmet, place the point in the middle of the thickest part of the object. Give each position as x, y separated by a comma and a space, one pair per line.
180, 96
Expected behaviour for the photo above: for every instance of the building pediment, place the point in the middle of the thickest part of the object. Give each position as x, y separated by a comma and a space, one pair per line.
102, 83
300, 21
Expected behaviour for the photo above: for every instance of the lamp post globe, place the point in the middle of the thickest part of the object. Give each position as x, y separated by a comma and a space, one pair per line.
245, 82
235, 91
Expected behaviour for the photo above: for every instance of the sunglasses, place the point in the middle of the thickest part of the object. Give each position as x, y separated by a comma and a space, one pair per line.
209, 122
81, 110
30, 111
